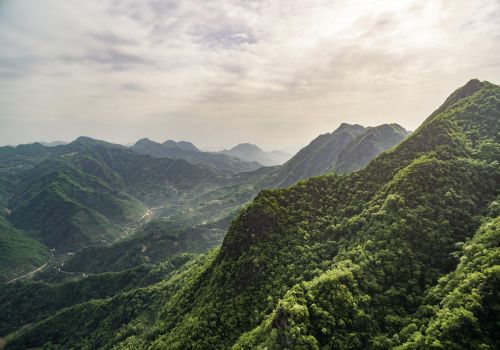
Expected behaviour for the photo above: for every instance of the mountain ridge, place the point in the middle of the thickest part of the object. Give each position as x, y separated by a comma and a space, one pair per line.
251, 152
365, 260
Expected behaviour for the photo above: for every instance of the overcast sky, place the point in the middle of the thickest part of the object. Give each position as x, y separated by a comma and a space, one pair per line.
221, 72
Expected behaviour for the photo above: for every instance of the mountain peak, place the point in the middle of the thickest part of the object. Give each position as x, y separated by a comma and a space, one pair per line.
144, 141
84, 139
470, 88
183, 145
252, 153
246, 147
87, 141
347, 126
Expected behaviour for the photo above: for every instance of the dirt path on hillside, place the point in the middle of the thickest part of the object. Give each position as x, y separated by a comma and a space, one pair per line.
2, 343
28, 274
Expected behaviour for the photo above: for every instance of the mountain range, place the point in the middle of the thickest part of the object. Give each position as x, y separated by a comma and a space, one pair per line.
348, 148
252, 153
384, 240
89, 193
401, 254
227, 200
187, 151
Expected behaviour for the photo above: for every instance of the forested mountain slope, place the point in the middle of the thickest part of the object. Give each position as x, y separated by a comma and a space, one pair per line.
348, 148
187, 151
340, 148
89, 193
153, 242
85, 195
368, 146
46, 298
250, 152
368, 260
19, 253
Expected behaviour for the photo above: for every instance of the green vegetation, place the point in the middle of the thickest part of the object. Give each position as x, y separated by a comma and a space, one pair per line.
68, 209
46, 298
119, 318
90, 193
367, 146
20, 254
347, 149
154, 242
402, 254
187, 151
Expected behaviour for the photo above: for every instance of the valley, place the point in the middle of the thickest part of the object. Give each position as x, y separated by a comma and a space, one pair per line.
249, 175
369, 237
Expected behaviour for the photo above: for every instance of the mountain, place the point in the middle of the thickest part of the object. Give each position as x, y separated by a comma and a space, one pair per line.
348, 148
46, 298
187, 151
22, 157
367, 146
252, 153
280, 157
20, 253
96, 185
53, 143
90, 192
66, 208
154, 242
183, 145
402, 254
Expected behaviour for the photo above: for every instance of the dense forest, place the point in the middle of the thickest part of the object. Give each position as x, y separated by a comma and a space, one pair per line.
401, 254
103, 207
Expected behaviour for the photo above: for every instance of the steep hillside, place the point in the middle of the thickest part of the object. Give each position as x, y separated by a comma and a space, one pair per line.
87, 197
187, 151
68, 209
252, 153
156, 241
368, 146
368, 260
20, 254
319, 156
348, 148
46, 298
20, 158
183, 145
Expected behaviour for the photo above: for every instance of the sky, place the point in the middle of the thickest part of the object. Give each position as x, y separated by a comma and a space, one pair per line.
222, 72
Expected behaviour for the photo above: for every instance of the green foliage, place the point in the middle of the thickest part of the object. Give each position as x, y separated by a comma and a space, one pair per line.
114, 321
402, 253
153, 242
19, 254
347, 149
22, 303
187, 151
462, 311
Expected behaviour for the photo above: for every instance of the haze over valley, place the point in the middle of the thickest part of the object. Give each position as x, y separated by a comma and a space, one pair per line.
296, 175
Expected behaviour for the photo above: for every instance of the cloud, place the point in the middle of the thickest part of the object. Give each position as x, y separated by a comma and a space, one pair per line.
131, 87
307, 65
109, 38
111, 58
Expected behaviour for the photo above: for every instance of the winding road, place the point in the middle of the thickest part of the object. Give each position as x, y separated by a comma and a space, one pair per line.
28, 274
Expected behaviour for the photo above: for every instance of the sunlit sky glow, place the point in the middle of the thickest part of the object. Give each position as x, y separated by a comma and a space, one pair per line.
221, 72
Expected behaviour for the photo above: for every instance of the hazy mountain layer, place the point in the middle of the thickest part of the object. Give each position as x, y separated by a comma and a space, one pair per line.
19, 253
368, 260
348, 148
187, 151
252, 153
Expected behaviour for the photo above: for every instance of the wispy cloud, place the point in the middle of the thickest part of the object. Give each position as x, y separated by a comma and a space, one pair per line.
276, 72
